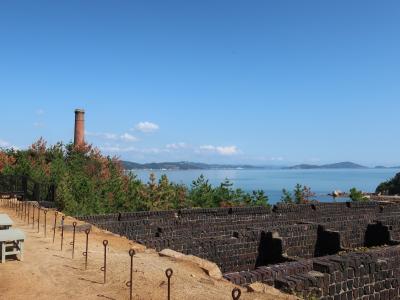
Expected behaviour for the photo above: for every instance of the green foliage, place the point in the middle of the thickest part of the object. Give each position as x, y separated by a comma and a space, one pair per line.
356, 195
390, 187
298, 193
302, 194
89, 183
286, 197
259, 198
202, 194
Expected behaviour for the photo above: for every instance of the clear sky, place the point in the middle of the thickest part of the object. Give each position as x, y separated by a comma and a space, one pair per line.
261, 82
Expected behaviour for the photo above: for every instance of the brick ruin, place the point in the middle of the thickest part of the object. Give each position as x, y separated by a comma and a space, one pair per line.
322, 250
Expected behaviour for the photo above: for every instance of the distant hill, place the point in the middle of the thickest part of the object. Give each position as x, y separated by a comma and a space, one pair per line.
340, 165
383, 167
187, 165
182, 165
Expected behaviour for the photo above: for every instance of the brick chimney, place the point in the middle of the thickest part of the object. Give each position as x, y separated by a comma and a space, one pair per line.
79, 137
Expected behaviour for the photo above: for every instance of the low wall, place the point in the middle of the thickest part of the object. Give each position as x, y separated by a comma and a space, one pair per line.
240, 239
374, 274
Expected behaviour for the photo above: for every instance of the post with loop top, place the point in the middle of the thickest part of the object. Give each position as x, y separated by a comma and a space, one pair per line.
33, 216
73, 240
45, 222
236, 293
169, 274
104, 268
130, 282
29, 208
85, 254
62, 231
55, 225
38, 220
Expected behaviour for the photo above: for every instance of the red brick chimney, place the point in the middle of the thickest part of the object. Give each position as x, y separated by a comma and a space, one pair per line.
79, 137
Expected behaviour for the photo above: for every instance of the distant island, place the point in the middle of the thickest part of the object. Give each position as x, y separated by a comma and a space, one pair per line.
183, 165
340, 165
186, 165
383, 167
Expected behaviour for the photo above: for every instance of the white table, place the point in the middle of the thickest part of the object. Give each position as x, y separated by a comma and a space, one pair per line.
5, 221
11, 243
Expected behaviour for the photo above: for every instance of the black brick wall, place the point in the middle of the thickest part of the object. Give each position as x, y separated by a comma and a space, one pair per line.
241, 239
374, 274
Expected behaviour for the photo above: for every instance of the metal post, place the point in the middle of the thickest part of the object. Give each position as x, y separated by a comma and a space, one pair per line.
130, 282
29, 208
55, 225
33, 216
104, 268
25, 204
38, 220
45, 222
62, 231
85, 254
73, 240
169, 273
236, 293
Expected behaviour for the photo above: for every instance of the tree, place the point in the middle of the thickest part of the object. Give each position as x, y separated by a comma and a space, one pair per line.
286, 197
308, 195
88, 182
302, 194
390, 187
356, 195
259, 198
201, 193
298, 194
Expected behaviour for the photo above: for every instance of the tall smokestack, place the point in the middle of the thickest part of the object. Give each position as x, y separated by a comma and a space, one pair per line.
79, 137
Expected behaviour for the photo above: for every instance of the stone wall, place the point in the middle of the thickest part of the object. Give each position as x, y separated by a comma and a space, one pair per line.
240, 239
374, 274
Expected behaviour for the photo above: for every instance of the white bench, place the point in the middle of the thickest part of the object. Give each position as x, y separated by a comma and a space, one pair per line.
11, 243
5, 221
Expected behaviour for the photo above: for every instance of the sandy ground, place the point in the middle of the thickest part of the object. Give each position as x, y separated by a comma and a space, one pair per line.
49, 273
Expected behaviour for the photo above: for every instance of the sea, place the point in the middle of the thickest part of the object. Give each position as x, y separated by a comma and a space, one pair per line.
272, 181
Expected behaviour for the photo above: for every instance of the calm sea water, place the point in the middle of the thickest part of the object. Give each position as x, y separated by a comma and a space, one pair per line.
272, 182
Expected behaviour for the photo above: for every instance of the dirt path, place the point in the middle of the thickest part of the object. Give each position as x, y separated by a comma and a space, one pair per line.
49, 273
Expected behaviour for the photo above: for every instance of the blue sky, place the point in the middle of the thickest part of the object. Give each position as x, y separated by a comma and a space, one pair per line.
261, 82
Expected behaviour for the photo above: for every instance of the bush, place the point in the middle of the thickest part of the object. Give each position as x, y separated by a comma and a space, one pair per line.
302, 194
286, 197
390, 187
356, 195
89, 183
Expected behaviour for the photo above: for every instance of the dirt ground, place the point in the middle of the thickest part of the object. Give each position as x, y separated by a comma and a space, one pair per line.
49, 273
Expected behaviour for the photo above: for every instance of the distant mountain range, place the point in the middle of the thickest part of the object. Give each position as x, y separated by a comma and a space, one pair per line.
182, 165
383, 167
340, 165
186, 165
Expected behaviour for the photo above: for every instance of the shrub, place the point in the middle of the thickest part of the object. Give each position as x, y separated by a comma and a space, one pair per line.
302, 194
89, 183
356, 195
390, 187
